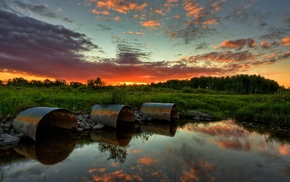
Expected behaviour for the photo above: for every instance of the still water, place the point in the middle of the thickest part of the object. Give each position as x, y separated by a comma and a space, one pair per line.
214, 151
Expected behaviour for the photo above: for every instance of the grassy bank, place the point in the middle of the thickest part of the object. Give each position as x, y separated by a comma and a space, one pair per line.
270, 109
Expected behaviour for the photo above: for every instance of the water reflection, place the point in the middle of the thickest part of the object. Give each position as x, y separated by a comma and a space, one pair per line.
213, 151
275, 134
52, 145
160, 127
115, 141
119, 137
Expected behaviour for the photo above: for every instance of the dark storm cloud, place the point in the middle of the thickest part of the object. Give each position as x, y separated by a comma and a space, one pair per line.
129, 55
274, 34
102, 27
190, 33
68, 20
37, 9
6, 5
285, 55
21, 8
202, 46
27, 43
224, 57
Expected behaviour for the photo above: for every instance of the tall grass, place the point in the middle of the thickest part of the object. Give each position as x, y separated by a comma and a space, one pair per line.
273, 110
270, 109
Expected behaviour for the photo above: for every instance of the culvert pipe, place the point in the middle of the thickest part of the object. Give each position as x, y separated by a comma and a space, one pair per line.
30, 119
159, 111
111, 114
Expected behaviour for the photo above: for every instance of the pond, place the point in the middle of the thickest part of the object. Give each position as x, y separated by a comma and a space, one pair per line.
212, 151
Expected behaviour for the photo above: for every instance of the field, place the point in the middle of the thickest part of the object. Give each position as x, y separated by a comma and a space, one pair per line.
267, 109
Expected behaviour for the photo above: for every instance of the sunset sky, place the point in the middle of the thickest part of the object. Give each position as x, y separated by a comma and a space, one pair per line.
138, 41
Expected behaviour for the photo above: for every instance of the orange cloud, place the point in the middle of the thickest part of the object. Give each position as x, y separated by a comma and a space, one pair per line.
100, 12
119, 6
286, 41
147, 161
228, 130
230, 144
191, 175
233, 43
216, 6
132, 33
172, 1
100, 170
117, 18
284, 150
135, 151
265, 44
150, 24
159, 11
117, 176
285, 55
270, 56
251, 43
177, 16
211, 21
194, 9
238, 44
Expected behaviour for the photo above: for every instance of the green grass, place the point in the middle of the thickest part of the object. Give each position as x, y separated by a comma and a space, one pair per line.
269, 109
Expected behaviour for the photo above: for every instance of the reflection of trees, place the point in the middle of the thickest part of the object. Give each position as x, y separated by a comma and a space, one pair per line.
117, 153
143, 136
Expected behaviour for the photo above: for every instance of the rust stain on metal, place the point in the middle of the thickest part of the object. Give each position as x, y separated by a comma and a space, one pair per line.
111, 114
28, 120
159, 111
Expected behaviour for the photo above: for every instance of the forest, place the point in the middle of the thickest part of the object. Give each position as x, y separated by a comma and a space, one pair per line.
238, 84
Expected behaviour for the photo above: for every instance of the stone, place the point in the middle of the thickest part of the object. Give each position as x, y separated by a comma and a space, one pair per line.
87, 127
82, 125
203, 117
136, 116
86, 116
20, 135
198, 116
98, 126
80, 130
7, 125
9, 139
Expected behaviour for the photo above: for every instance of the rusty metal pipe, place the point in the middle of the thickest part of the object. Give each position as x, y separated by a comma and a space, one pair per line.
159, 111
110, 114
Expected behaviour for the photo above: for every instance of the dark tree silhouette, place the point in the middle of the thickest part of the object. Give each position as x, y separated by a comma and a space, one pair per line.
240, 84
95, 83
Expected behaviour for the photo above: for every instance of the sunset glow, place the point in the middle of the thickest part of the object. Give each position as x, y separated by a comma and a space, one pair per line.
140, 42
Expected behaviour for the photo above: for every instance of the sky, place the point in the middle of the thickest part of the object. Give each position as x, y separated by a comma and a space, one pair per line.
138, 41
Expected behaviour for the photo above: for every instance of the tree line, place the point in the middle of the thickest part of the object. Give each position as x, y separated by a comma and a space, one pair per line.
239, 84
19, 81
